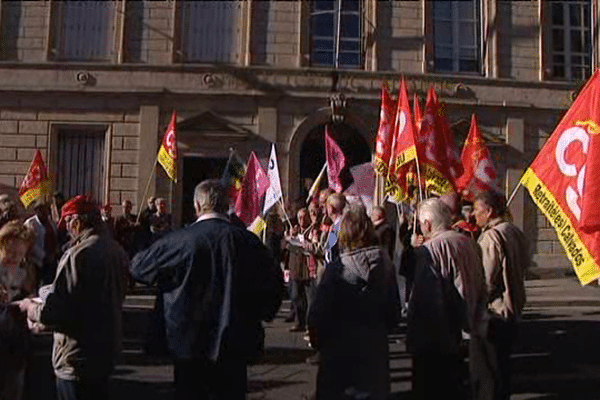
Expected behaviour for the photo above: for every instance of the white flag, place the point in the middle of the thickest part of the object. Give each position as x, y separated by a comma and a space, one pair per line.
274, 191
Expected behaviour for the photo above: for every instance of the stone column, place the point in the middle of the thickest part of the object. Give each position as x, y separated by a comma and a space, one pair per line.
147, 153
515, 137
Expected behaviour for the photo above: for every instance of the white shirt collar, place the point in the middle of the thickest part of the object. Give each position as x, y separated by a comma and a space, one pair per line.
212, 215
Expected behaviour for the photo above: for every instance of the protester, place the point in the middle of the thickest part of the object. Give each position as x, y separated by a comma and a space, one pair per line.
448, 295
505, 257
160, 222
335, 208
16, 280
45, 249
108, 219
8, 210
16, 283
219, 281
84, 307
298, 267
125, 228
383, 231
349, 319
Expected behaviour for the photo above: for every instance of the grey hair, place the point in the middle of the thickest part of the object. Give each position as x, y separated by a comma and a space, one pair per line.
211, 196
437, 213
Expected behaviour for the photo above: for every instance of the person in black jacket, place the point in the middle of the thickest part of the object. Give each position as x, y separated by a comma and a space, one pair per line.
218, 282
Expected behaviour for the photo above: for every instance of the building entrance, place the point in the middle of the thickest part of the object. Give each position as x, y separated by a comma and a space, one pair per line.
312, 152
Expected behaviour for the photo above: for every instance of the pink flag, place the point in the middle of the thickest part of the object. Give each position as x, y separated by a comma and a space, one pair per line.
254, 186
336, 161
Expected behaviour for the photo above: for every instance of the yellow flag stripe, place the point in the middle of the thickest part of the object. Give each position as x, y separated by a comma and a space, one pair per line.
168, 163
585, 266
35, 193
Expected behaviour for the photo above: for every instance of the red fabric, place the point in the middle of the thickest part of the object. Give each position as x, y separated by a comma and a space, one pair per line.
404, 140
384, 141
436, 148
417, 112
78, 205
254, 186
479, 172
564, 181
336, 161
36, 175
169, 141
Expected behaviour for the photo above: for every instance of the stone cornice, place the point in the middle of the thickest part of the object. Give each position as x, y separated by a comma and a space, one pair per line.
190, 79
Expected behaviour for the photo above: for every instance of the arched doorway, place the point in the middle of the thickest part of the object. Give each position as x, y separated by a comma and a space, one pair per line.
312, 151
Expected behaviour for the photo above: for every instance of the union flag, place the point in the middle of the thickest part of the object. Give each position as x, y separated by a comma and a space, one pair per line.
36, 183
383, 143
438, 155
404, 150
167, 155
479, 172
254, 186
564, 181
417, 112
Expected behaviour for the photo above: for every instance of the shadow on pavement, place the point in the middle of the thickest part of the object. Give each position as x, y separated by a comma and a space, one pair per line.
558, 359
281, 356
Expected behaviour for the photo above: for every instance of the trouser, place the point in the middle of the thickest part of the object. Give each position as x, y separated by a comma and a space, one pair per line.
436, 376
489, 361
87, 388
201, 378
299, 301
311, 294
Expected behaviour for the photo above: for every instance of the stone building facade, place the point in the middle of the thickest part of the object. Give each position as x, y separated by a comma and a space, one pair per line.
93, 86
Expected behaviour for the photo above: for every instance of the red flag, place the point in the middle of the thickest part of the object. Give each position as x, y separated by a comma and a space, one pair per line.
36, 183
437, 151
479, 172
564, 181
167, 155
254, 186
417, 112
404, 149
336, 161
383, 148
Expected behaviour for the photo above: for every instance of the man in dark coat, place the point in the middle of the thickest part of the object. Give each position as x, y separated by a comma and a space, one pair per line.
218, 282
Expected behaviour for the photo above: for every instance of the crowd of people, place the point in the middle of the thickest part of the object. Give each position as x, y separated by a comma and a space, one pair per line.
463, 264
67, 267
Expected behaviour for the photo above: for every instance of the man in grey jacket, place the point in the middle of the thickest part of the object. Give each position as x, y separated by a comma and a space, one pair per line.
448, 295
84, 306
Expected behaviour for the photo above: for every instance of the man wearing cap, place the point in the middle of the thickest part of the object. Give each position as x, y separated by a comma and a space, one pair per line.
84, 306
218, 281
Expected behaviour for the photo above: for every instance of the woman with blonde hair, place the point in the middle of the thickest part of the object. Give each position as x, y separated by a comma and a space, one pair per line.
356, 303
15, 284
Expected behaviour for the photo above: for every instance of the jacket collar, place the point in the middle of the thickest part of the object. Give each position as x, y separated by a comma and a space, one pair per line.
212, 215
492, 223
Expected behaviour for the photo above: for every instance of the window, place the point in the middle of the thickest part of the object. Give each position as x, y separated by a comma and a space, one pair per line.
569, 39
456, 36
336, 33
84, 30
81, 165
210, 31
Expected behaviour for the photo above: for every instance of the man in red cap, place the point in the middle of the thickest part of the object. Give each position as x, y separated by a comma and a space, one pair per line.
84, 306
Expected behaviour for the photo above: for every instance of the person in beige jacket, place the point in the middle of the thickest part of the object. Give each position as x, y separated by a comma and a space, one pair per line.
505, 257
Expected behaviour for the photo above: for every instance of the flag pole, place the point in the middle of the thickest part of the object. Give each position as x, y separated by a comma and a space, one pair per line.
316, 183
152, 172
512, 196
419, 179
